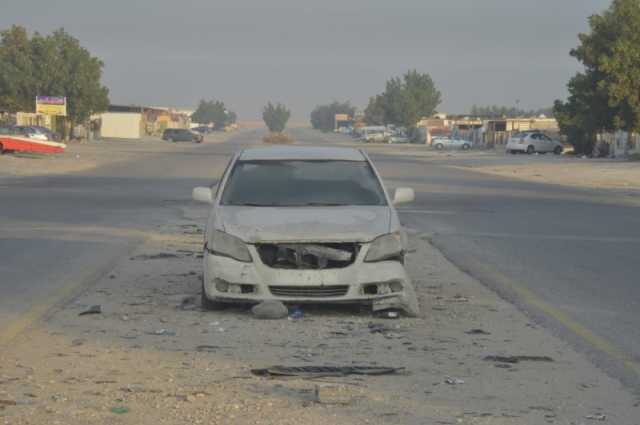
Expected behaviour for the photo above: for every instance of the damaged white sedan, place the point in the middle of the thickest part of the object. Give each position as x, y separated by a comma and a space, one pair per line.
305, 225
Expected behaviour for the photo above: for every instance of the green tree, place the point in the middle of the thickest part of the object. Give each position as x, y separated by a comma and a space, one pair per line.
374, 112
213, 112
405, 100
323, 116
276, 117
17, 85
606, 96
53, 65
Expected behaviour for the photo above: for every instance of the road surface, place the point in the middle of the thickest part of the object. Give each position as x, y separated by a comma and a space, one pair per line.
566, 256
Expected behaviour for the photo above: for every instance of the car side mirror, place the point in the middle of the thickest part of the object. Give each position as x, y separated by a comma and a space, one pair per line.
203, 194
403, 195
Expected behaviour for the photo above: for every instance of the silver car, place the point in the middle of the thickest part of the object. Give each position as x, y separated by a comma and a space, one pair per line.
446, 142
533, 141
305, 225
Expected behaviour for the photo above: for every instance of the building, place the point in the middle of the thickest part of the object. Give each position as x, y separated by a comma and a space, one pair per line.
136, 122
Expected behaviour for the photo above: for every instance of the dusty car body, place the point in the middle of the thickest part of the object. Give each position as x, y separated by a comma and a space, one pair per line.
324, 238
533, 142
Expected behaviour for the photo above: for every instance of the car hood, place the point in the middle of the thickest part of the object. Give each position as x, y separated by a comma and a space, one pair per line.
304, 224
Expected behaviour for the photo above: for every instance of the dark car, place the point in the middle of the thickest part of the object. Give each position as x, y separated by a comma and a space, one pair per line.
181, 135
202, 130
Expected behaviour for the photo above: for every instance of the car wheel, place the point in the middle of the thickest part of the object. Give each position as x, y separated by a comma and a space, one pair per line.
466, 147
530, 150
208, 304
558, 150
439, 146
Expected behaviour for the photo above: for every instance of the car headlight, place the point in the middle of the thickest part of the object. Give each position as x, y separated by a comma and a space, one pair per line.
386, 248
228, 246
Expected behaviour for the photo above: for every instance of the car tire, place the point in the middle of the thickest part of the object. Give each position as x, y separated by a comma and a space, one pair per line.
530, 150
466, 147
558, 150
439, 146
208, 304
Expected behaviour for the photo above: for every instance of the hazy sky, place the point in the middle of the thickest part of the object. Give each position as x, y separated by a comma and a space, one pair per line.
302, 53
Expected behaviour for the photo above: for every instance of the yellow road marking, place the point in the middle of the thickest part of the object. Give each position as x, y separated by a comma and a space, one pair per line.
530, 298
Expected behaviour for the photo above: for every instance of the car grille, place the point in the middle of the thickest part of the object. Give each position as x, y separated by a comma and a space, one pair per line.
309, 291
308, 256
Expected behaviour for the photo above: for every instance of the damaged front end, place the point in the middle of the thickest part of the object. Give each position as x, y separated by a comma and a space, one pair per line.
311, 272
310, 256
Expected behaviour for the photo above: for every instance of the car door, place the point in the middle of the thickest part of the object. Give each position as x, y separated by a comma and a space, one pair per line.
549, 145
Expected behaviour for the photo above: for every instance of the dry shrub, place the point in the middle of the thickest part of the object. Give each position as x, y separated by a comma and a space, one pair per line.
278, 139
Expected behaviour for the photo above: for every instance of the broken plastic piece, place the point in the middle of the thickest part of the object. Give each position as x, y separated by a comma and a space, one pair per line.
94, 309
517, 359
322, 371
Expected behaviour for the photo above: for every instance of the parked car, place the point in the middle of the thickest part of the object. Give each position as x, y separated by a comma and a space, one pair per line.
202, 129
181, 135
31, 132
447, 142
532, 142
304, 225
374, 134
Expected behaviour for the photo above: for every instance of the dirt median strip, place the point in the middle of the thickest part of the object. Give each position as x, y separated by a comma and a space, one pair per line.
148, 359
81, 157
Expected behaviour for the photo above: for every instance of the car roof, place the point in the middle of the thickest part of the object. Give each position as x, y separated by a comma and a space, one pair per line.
317, 153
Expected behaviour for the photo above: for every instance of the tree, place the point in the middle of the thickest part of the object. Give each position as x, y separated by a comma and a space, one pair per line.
323, 116
405, 100
374, 112
213, 112
17, 85
276, 117
495, 111
53, 65
606, 96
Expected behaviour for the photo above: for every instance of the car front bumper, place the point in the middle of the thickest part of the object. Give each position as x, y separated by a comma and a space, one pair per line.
228, 280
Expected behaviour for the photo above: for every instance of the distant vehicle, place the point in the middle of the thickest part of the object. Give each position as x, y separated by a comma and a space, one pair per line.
374, 134
447, 142
181, 135
31, 132
202, 129
50, 134
532, 142
399, 139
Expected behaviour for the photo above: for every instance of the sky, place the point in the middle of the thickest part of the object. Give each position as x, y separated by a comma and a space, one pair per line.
303, 53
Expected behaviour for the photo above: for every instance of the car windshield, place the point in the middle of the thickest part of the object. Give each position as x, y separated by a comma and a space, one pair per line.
303, 183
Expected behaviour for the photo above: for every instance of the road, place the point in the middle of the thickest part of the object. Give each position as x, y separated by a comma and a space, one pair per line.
564, 255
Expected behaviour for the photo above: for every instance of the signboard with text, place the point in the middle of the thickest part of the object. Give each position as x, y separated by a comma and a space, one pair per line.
51, 105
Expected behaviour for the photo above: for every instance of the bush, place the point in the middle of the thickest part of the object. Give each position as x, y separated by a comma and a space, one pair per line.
278, 139
276, 117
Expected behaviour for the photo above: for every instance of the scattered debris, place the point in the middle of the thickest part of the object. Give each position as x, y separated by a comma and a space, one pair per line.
160, 256
596, 417
78, 342
209, 348
333, 394
119, 410
270, 310
324, 371
94, 309
188, 303
458, 299
453, 381
162, 332
407, 304
477, 332
518, 359
297, 313
388, 314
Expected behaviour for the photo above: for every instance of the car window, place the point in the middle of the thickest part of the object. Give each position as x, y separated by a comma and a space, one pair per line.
303, 183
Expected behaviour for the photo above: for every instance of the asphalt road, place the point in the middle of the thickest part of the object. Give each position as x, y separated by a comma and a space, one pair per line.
566, 256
